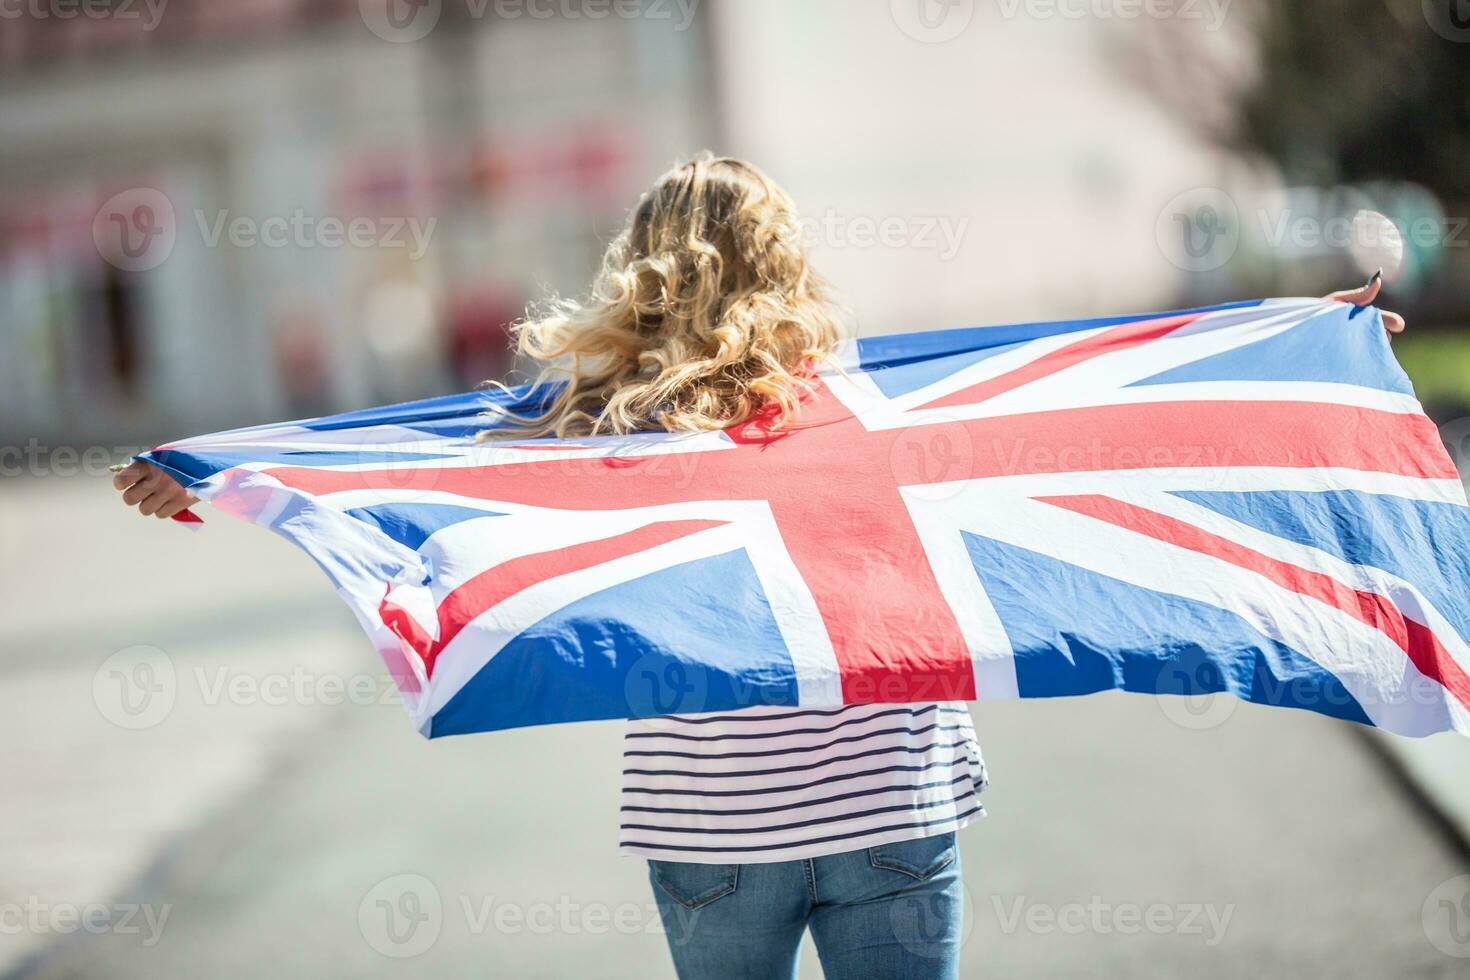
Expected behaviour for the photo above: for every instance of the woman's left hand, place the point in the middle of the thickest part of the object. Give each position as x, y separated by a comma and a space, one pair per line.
1364, 295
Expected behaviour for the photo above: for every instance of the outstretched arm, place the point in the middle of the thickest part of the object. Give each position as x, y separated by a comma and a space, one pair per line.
154, 492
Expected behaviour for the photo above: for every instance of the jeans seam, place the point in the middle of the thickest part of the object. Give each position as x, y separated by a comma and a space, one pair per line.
809, 870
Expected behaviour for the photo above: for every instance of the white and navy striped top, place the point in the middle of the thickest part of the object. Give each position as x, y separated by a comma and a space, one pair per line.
781, 784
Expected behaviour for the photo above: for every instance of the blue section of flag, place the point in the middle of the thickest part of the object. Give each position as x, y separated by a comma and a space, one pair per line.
695, 637
908, 361
904, 377
458, 405
1376, 530
1338, 346
434, 414
413, 524
1076, 632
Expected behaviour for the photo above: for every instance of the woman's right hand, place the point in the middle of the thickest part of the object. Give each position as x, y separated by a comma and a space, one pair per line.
152, 490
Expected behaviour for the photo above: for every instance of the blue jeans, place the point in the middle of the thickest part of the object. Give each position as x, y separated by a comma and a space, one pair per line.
895, 910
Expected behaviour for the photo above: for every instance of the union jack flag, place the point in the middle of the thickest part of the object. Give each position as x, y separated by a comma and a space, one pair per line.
1243, 498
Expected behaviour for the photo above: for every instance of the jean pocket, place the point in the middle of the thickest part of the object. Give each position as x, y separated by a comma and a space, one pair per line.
921, 858
695, 885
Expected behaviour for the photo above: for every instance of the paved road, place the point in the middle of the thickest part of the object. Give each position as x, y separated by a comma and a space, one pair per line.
266, 820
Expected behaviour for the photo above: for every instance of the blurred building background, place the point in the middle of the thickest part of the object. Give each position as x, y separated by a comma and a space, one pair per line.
340, 202
215, 213
484, 164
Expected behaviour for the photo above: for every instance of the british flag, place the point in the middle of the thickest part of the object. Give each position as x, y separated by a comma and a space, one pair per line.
1243, 498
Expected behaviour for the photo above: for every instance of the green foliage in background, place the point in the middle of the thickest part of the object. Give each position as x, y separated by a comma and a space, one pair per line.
1438, 362
1358, 90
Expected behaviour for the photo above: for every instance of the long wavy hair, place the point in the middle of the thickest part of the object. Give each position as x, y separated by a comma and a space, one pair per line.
704, 312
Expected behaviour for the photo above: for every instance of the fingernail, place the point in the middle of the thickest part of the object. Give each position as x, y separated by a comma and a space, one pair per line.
1376, 276
116, 467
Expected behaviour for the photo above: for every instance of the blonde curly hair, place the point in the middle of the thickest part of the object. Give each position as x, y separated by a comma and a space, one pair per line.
703, 313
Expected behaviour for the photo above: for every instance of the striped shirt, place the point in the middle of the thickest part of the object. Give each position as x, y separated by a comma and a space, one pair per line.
781, 784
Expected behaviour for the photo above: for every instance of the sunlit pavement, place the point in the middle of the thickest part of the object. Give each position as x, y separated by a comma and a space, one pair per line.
264, 813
